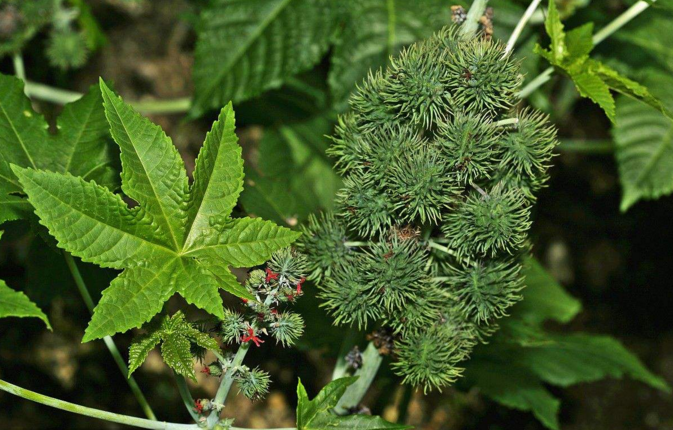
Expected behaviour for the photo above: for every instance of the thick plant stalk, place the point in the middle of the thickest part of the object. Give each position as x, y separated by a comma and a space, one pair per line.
111, 346
600, 36
226, 383
371, 361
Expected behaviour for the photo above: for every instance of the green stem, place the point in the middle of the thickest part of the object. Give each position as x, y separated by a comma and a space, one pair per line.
471, 24
371, 361
114, 351
521, 25
600, 36
19, 69
444, 249
186, 396
505, 122
59, 96
103, 415
357, 244
598, 146
91, 412
226, 383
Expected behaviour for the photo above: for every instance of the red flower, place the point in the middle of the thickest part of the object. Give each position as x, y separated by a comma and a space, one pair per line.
245, 300
270, 275
301, 281
198, 406
251, 337
206, 370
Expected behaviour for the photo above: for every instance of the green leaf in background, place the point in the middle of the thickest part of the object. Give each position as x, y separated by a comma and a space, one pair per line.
594, 80
80, 147
522, 357
16, 304
375, 30
177, 335
317, 413
295, 175
644, 145
25, 19
245, 48
545, 299
178, 240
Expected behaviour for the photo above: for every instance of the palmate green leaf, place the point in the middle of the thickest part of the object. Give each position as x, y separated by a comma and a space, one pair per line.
176, 336
375, 30
318, 413
244, 48
149, 242
79, 147
594, 88
644, 145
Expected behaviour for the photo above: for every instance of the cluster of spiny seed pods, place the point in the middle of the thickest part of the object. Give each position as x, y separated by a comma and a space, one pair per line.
440, 173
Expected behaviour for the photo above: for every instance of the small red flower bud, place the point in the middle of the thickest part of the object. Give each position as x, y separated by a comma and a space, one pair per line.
270, 275
206, 370
301, 281
251, 337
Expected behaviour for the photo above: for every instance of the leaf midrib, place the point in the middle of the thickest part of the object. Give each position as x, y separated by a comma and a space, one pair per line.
78, 140
154, 191
18, 136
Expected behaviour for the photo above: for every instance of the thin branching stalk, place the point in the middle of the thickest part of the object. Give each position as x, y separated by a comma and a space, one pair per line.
60, 96
600, 36
521, 25
19, 69
111, 346
186, 396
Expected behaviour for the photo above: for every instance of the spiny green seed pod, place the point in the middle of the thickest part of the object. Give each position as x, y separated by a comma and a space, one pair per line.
345, 297
488, 224
288, 264
468, 142
430, 358
480, 78
67, 49
367, 209
286, 327
323, 243
485, 290
416, 89
528, 150
420, 187
253, 384
419, 312
394, 271
231, 327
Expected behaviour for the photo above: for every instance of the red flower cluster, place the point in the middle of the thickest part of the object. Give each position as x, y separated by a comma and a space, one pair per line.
251, 337
270, 275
